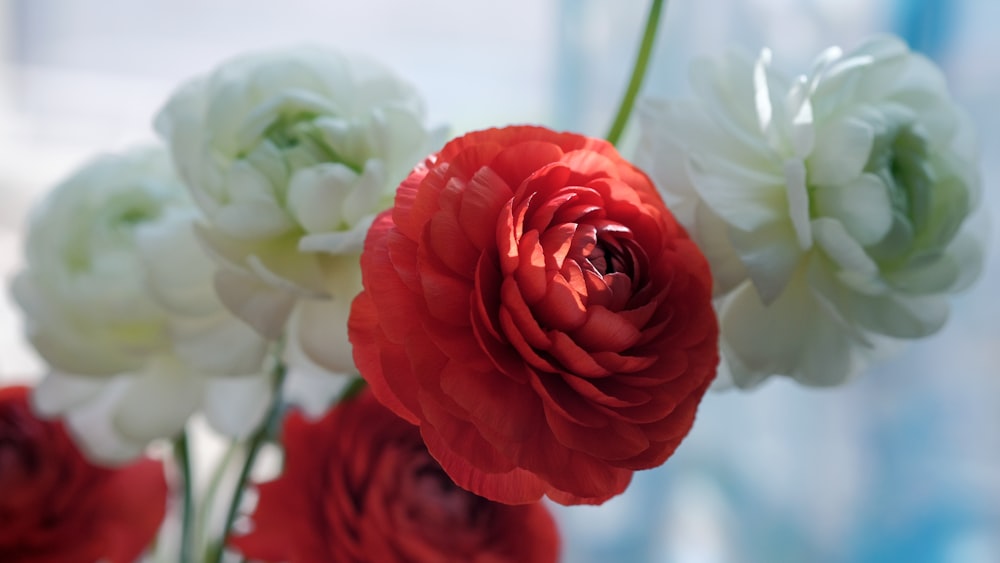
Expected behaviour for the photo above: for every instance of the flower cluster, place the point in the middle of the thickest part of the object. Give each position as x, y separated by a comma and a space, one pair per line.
515, 314
119, 301
831, 206
533, 306
55, 506
380, 496
290, 155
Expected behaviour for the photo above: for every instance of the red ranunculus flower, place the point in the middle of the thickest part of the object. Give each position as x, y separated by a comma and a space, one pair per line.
55, 507
533, 306
359, 486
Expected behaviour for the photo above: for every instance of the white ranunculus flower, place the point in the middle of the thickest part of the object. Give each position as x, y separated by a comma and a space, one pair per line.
290, 154
118, 299
832, 206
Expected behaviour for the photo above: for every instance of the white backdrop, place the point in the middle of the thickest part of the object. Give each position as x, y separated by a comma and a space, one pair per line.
901, 465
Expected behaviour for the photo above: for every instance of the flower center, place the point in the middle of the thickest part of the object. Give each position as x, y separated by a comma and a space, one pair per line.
303, 142
900, 157
446, 514
17, 459
440, 500
608, 257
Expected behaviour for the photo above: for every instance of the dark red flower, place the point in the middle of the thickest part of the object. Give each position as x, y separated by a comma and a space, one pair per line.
533, 306
359, 486
55, 507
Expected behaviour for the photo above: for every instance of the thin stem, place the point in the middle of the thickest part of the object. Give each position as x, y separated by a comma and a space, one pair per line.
256, 442
638, 72
213, 488
183, 455
356, 386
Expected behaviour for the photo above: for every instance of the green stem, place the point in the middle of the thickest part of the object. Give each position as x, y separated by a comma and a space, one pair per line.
356, 386
183, 455
256, 442
213, 489
638, 72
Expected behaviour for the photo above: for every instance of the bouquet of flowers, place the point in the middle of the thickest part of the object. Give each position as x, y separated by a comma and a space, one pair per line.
410, 340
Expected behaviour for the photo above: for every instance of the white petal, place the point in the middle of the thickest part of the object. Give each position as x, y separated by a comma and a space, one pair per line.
236, 406
350, 242
745, 198
263, 307
308, 385
968, 251
726, 89
762, 93
248, 184
841, 152
934, 276
862, 206
322, 333
712, 236
798, 201
372, 194
58, 393
758, 340
828, 356
60, 340
287, 273
687, 127
802, 133
225, 251
316, 195
770, 256
158, 401
791, 337
178, 269
252, 220
665, 160
901, 317
841, 248
199, 340
293, 101
91, 425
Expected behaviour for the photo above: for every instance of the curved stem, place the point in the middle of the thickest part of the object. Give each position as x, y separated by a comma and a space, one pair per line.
638, 72
183, 455
256, 442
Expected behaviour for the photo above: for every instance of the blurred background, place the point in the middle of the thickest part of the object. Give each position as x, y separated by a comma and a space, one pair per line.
901, 465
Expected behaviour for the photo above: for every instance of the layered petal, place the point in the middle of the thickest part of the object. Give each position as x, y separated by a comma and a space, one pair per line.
831, 207
520, 304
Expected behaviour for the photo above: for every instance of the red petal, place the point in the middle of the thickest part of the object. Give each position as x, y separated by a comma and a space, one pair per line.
445, 238
517, 162
588, 166
516, 338
129, 508
621, 365
561, 308
493, 401
373, 352
446, 295
605, 331
614, 441
489, 478
556, 243
482, 202
560, 398
417, 200
574, 359
521, 319
608, 392
531, 275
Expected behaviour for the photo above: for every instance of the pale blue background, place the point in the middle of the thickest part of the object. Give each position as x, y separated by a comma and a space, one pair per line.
902, 465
